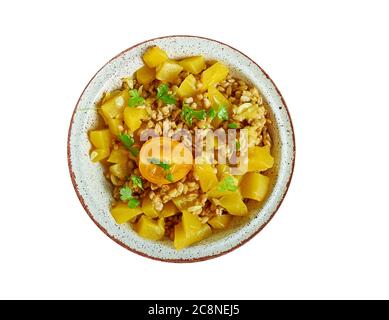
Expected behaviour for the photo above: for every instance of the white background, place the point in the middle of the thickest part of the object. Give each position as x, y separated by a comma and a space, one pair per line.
329, 239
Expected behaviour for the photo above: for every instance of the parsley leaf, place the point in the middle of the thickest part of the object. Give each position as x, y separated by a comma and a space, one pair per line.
135, 99
222, 112
125, 194
233, 125
163, 94
137, 181
128, 142
163, 165
228, 184
188, 114
211, 113
169, 177
133, 203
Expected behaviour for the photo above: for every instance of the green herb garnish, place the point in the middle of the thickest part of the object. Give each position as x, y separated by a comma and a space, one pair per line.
169, 177
232, 125
188, 114
163, 94
128, 142
135, 99
137, 181
126, 195
228, 184
237, 145
222, 112
211, 113
163, 165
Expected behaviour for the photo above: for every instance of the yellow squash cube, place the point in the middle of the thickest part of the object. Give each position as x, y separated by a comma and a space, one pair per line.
187, 87
184, 202
154, 56
260, 158
220, 222
169, 209
222, 170
115, 125
218, 190
145, 75
254, 186
99, 154
101, 139
118, 156
133, 117
122, 213
119, 170
207, 176
234, 204
193, 65
214, 74
148, 208
150, 229
113, 107
168, 71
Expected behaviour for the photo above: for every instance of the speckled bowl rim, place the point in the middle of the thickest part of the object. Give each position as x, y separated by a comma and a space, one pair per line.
73, 179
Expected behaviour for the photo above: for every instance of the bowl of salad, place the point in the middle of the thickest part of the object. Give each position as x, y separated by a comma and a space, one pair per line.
181, 148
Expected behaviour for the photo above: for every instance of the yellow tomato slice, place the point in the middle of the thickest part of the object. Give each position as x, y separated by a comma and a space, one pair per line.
163, 160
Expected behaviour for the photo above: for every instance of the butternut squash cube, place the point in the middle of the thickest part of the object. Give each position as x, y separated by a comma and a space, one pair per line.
122, 213
150, 229
154, 56
169, 209
101, 139
214, 74
115, 125
168, 71
260, 158
133, 117
118, 156
234, 204
148, 208
220, 222
193, 65
99, 154
114, 106
254, 186
145, 75
119, 170
207, 176
187, 87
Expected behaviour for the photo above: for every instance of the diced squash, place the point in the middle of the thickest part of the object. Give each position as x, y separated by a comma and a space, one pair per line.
220, 222
119, 170
154, 56
101, 139
260, 158
218, 191
150, 229
234, 204
99, 154
207, 176
118, 156
148, 208
122, 213
190, 222
214, 74
133, 117
169, 209
168, 71
115, 105
145, 75
187, 87
254, 186
222, 170
115, 125
217, 99
193, 65
184, 202
189, 231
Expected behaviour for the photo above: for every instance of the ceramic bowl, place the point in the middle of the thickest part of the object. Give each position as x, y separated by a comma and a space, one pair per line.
95, 193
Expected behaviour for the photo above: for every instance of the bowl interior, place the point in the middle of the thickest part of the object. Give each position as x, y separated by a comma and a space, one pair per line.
95, 192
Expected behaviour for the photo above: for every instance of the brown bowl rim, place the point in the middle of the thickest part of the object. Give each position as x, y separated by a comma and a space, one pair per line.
72, 175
